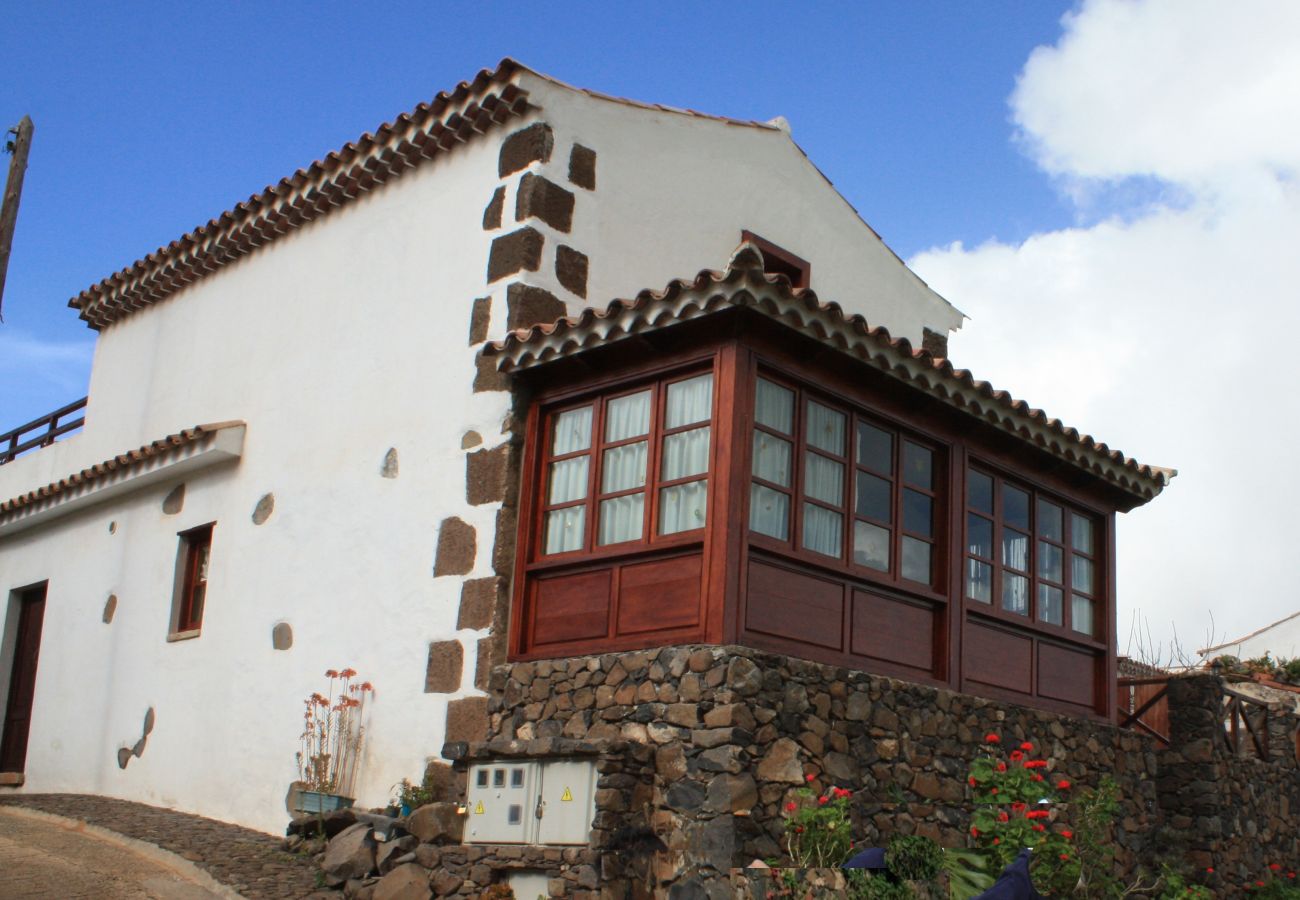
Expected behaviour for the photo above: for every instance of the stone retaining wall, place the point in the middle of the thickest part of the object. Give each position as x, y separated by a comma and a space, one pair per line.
736, 731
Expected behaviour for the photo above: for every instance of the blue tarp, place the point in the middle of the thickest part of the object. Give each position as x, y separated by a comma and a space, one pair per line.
1013, 883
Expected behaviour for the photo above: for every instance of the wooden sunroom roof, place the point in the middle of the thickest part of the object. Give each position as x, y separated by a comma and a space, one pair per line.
745, 284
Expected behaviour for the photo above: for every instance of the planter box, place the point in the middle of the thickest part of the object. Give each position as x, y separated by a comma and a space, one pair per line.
316, 802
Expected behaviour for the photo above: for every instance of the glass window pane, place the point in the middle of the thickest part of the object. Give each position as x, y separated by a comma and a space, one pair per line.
627, 417
771, 458
821, 530
825, 428
568, 480
979, 492
874, 497
774, 407
918, 463
917, 517
1049, 521
769, 512
1081, 615
564, 529
686, 453
1050, 605
1050, 562
689, 401
871, 546
875, 448
1081, 533
1015, 550
979, 581
979, 536
621, 519
1015, 507
623, 468
823, 479
1015, 593
916, 560
683, 507
1081, 575
572, 431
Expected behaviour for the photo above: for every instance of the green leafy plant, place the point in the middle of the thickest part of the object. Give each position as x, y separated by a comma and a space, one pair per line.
818, 832
413, 796
1277, 883
968, 873
913, 857
1014, 805
1175, 886
861, 885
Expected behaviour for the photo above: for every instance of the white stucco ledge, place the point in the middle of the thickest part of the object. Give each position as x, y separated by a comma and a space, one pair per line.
185, 452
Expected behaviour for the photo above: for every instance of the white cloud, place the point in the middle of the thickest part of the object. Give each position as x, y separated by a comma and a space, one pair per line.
1165, 330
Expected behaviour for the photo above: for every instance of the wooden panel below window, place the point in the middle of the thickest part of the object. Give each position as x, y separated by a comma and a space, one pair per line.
571, 607
1066, 674
794, 606
660, 596
893, 630
997, 657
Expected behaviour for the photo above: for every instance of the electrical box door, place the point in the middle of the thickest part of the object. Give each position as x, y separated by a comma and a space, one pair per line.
501, 802
568, 802
529, 885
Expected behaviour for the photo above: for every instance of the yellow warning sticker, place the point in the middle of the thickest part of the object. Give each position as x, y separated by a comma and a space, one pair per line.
478, 810
568, 795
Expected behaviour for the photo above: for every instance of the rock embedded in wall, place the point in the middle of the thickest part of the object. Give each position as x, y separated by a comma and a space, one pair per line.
571, 270
466, 720
582, 167
486, 375
480, 320
525, 147
389, 468
110, 609
496, 206
540, 198
482, 602
470, 439
265, 506
281, 636
174, 502
485, 475
446, 664
517, 251
527, 306
457, 547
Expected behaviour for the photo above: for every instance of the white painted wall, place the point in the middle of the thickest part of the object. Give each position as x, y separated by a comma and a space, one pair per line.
338, 341
1281, 641
674, 191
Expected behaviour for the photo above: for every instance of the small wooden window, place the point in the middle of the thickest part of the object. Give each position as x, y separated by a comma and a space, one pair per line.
628, 467
780, 261
1026, 553
196, 551
833, 482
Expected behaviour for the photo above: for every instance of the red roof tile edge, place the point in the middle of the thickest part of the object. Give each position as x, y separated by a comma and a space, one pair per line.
823, 319
337, 179
164, 445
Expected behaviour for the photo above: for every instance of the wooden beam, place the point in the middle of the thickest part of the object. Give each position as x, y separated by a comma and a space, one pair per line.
13, 194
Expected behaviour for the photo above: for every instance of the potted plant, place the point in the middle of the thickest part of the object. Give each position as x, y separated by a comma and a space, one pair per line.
411, 796
331, 742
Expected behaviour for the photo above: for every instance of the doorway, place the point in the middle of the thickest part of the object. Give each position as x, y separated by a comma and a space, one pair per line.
22, 677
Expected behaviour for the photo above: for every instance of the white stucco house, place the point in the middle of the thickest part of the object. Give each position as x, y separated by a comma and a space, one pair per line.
1280, 640
294, 457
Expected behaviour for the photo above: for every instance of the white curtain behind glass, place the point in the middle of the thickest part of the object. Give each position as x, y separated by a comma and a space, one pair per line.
774, 407
683, 507
689, 401
627, 417
572, 431
621, 519
564, 529
623, 468
821, 530
568, 480
686, 453
769, 512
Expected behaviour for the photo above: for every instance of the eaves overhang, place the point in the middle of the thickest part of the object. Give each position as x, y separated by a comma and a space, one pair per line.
183, 453
744, 284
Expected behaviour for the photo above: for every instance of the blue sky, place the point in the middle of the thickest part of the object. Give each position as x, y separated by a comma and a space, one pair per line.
149, 122
1109, 188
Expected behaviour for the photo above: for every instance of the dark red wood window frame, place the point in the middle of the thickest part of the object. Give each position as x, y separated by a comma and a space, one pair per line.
196, 553
1061, 566
903, 494
598, 451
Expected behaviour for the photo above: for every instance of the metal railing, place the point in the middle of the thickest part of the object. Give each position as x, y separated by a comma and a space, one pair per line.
41, 432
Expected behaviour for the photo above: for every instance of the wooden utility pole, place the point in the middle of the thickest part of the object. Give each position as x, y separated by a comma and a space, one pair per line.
19, 146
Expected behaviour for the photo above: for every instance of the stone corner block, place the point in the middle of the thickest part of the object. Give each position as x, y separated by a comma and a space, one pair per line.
582, 167
515, 252
525, 147
571, 270
527, 305
541, 198
457, 546
467, 720
442, 674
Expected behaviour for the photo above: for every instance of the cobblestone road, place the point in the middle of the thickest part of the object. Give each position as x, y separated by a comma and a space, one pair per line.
248, 862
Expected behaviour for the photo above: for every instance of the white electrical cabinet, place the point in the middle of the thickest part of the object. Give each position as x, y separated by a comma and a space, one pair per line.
525, 802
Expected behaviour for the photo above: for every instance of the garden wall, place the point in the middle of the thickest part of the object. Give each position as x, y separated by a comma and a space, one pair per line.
736, 731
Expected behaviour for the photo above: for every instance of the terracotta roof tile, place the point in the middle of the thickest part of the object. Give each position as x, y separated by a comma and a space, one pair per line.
130, 458
341, 176
744, 283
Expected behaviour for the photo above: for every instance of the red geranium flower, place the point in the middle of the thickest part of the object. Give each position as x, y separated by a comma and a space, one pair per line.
992, 738
974, 832
971, 781
791, 806
1063, 785
1065, 857
823, 800
1039, 827
1275, 867
1026, 746
1067, 834
1038, 778
1017, 756
1017, 806
1002, 767
810, 778
1209, 870
1002, 816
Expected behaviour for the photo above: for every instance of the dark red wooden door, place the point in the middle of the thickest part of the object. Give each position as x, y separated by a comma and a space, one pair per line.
22, 680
